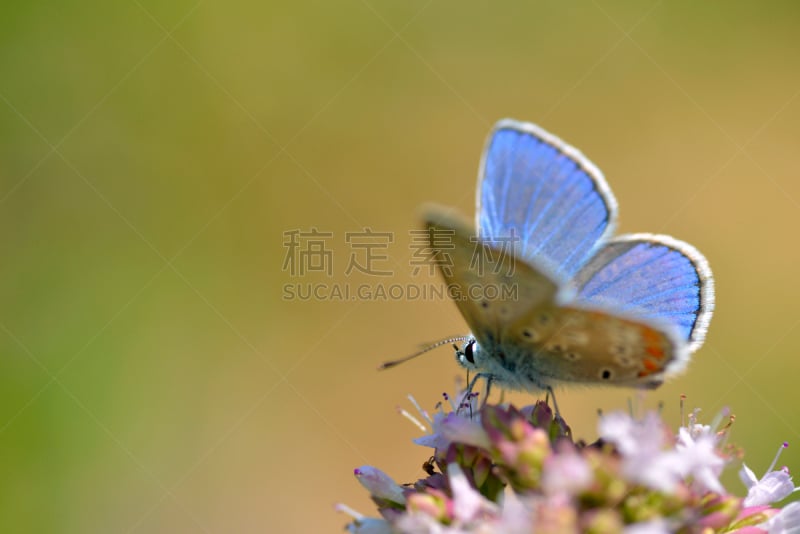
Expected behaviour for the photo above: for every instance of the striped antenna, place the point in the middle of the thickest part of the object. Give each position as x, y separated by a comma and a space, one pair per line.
436, 345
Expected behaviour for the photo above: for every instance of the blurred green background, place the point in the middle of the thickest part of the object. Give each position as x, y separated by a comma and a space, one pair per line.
153, 154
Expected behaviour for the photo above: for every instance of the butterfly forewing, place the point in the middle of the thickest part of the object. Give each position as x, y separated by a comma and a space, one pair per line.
553, 197
489, 294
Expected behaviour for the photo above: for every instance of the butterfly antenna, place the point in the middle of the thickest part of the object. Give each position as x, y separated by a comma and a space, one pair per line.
448, 341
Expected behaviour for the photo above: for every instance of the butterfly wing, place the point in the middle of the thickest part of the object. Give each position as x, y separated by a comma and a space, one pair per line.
655, 277
492, 294
596, 346
534, 186
534, 339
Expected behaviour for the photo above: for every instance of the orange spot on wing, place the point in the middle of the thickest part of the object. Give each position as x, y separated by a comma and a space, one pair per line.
651, 366
653, 341
651, 337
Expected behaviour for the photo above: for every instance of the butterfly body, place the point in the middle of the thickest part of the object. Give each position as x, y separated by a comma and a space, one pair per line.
579, 307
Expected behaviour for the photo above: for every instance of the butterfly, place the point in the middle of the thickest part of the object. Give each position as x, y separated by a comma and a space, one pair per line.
583, 307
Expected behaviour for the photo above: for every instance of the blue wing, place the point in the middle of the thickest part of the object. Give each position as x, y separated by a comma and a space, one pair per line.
654, 277
534, 186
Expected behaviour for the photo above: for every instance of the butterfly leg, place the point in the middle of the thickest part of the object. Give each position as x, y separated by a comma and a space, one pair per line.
466, 398
488, 388
551, 394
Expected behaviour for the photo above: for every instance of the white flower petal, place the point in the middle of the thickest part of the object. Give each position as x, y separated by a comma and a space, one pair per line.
656, 526
419, 523
566, 472
747, 476
633, 438
787, 521
468, 503
773, 487
451, 427
370, 525
698, 459
380, 484
516, 517
657, 472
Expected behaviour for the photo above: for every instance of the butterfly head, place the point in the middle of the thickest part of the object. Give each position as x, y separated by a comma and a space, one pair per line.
469, 354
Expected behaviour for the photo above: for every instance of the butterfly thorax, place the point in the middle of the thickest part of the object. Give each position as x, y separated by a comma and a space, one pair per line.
506, 366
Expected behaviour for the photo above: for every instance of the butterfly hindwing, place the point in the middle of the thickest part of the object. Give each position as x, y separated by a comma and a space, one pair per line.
655, 277
534, 186
594, 346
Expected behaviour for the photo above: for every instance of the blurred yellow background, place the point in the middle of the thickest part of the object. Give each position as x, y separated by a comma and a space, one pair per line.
153, 155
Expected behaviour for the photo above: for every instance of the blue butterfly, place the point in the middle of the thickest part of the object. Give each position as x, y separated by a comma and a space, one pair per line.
583, 307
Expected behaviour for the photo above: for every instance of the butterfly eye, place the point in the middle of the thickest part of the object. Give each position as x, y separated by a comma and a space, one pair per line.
468, 351
467, 354
605, 374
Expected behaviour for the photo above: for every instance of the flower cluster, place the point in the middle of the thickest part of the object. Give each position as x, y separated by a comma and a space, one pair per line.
501, 469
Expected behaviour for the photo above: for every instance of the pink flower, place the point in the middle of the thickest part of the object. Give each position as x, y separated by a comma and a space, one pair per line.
454, 427
566, 472
772, 487
462, 424
503, 470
